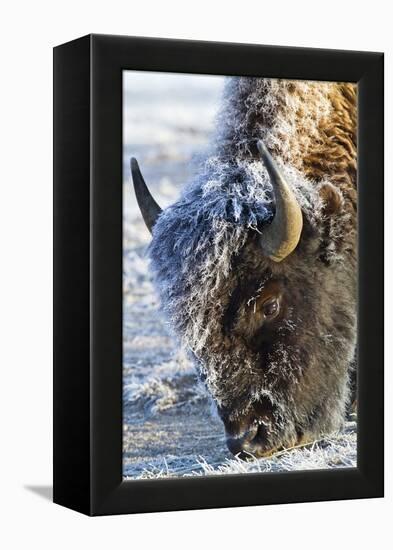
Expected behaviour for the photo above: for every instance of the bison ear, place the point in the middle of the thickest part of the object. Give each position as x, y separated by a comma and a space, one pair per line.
332, 221
332, 199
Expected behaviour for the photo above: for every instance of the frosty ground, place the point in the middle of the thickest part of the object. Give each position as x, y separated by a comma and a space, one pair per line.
169, 425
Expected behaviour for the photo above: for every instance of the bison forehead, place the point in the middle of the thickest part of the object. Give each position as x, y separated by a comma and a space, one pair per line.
199, 254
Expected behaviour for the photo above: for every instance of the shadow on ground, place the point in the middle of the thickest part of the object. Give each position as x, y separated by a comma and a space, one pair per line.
44, 491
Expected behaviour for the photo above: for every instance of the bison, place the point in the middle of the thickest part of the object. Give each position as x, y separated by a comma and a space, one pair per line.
255, 263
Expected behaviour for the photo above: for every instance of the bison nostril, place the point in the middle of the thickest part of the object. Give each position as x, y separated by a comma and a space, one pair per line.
240, 442
234, 444
249, 443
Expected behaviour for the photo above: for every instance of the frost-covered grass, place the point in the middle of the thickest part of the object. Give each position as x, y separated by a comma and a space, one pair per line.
336, 451
169, 428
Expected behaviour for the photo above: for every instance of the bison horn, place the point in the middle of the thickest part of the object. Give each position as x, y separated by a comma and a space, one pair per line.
283, 234
148, 206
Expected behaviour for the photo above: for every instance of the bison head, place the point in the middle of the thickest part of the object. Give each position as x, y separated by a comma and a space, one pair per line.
258, 278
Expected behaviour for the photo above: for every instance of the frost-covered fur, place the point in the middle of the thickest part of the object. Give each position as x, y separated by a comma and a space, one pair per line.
291, 379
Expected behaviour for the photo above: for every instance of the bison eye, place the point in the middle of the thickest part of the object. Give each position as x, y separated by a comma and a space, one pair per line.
271, 307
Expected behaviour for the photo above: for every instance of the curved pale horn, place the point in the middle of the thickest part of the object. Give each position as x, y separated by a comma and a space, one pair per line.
281, 237
148, 206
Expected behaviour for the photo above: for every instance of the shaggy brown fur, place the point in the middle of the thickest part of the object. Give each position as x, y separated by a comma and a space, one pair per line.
312, 126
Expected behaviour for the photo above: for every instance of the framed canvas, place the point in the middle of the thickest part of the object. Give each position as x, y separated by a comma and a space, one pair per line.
218, 275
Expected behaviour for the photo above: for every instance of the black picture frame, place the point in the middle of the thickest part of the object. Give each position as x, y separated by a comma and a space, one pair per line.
88, 274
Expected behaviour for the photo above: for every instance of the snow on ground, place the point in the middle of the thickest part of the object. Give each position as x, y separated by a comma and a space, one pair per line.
169, 428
